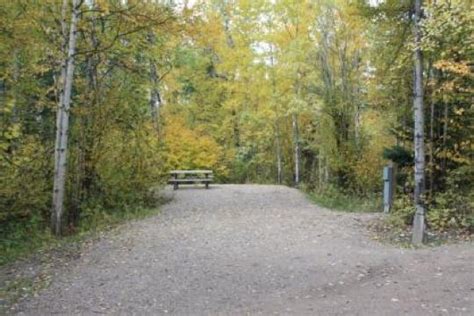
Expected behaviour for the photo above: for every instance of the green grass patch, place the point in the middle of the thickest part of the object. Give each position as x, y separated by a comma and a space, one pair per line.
24, 239
21, 239
337, 200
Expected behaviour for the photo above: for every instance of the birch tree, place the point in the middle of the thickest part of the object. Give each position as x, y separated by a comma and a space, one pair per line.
62, 128
155, 96
419, 219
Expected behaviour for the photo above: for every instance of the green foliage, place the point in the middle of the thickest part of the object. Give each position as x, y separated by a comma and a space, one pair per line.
333, 198
402, 212
19, 238
452, 209
187, 149
115, 154
399, 155
24, 186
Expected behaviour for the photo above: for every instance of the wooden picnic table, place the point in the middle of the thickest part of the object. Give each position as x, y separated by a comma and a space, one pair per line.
197, 176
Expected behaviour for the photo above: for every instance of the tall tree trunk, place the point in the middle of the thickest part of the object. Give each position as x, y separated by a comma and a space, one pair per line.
297, 149
419, 219
278, 153
296, 132
432, 120
357, 125
61, 81
225, 7
155, 96
320, 169
63, 126
277, 120
326, 170
445, 136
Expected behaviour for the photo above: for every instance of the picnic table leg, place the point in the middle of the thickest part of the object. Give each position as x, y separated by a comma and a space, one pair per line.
207, 182
176, 185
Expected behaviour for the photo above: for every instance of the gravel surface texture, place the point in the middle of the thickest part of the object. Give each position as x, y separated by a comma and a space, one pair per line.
256, 249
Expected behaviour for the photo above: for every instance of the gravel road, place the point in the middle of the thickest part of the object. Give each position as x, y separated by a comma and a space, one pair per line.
257, 249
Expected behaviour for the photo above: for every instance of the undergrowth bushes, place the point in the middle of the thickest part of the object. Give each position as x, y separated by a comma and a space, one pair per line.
332, 197
452, 209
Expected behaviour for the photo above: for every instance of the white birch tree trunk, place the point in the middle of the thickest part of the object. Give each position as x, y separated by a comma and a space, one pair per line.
61, 80
155, 97
63, 123
419, 219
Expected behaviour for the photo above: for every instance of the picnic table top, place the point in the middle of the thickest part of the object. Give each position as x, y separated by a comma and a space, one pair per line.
189, 171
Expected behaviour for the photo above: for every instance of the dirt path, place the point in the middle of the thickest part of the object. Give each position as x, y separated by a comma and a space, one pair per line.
247, 249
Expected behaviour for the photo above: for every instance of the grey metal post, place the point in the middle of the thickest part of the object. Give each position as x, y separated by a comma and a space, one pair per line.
388, 183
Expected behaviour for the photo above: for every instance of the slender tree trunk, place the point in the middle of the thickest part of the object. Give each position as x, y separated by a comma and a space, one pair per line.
297, 149
445, 136
419, 219
326, 170
277, 120
155, 96
61, 81
235, 128
320, 169
225, 7
63, 126
312, 171
296, 132
432, 120
278, 153
357, 125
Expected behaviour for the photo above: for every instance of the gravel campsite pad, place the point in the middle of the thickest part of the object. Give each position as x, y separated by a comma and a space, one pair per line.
256, 249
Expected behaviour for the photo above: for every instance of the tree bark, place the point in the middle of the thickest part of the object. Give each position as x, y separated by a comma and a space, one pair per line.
62, 132
296, 132
61, 81
432, 120
278, 153
297, 149
277, 119
320, 170
445, 136
419, 219
155, 96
